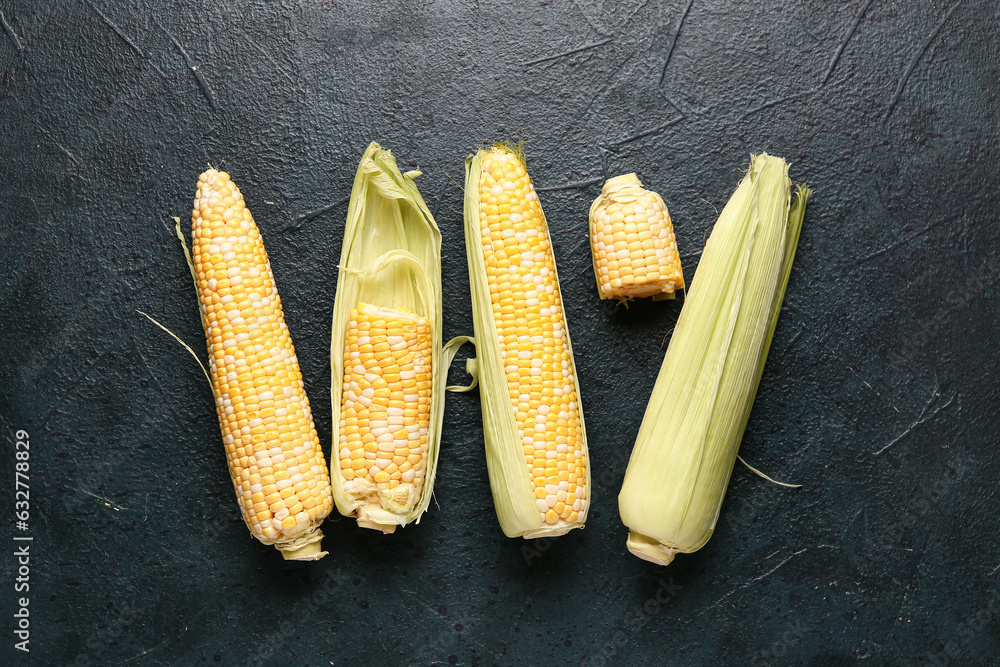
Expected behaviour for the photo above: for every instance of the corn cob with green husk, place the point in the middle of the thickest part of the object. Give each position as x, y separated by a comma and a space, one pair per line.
689, 438
388, 365
536, 447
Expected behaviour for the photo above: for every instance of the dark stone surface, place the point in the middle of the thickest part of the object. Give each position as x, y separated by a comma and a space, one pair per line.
881, 395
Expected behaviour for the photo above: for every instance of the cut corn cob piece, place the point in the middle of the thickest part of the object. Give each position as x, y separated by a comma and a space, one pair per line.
688, 441
275, 459
632, 242
536, 446
388, 364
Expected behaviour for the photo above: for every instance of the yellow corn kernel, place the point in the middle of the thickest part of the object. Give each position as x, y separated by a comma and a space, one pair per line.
531, 408
632, 242
388, 364
267, 426
381, 484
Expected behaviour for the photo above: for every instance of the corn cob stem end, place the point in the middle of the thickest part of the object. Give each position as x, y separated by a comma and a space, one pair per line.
382, 508
386, 528
649, 549
303, 547
372, 515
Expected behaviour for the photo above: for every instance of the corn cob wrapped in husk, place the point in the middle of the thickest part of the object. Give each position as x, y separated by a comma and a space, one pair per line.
689, 438
388, 364
536, 445
632, 242
275, 459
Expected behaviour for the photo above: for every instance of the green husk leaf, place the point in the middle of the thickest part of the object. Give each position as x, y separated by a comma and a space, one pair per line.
183, 344
763, 475
391, 257
194, 278
690, 435
471, 367
510, 481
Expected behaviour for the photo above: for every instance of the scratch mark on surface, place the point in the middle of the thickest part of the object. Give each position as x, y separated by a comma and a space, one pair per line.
10, 32
605, 86
646, 133
577, 246
829, 69
673, 41
798, 334
273, 62
896, 615
65, 150
585, 47
774, 102
923, 417
101, 500
117, 30
692, 257
916, 59
147, 651
893, 246
771, 555
202, 82
778, 566
571, 186
995, 570
65, 395
754, 580
159, 385
309, 215
68, 153
603, 154
792, 96
843, 43
670, 101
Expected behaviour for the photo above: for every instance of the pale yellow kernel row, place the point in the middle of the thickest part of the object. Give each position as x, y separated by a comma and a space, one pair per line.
386, 403
633, 244
529, 320
277, 466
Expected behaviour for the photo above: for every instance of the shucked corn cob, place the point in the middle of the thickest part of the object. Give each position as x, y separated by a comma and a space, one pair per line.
389, 367
385, 412
632, 242
277, 466
536, 447
691, 432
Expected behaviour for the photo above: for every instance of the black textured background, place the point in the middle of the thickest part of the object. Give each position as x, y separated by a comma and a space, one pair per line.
881, 395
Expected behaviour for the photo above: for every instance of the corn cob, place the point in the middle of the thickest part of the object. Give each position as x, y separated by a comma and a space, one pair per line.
689, 437
536, 447
388, 363
632, 242
275, 460
386, 406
